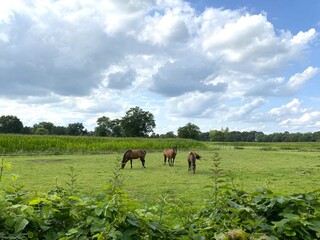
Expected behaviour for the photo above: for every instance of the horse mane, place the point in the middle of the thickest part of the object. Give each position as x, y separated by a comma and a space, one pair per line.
123, 159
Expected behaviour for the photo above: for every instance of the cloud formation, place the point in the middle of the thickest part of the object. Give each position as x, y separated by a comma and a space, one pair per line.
98, 56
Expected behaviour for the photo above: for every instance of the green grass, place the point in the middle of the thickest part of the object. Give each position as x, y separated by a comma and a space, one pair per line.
282, 171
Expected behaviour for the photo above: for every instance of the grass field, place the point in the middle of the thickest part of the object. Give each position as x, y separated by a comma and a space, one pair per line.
170, 201
282, 171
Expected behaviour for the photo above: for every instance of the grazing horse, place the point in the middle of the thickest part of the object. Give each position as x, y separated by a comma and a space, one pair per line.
170, 153
133, 154
192, 157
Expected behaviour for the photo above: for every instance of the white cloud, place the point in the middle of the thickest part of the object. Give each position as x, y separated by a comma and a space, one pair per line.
185, 75
165, 29
88, 58
280, 87
194, 104
288, 109
302, 38
310, 119
294, 116
297, 80
244, 112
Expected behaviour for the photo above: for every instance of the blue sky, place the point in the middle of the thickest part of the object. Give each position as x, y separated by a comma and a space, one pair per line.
245, 65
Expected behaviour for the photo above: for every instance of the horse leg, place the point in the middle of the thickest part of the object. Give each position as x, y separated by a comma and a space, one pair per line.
142, 162
131, 163
194, 166
165, 160
189, 165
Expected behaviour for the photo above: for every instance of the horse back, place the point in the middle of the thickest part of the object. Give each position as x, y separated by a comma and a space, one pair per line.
166, 152
142, 152
170, 152
192, 156
137, 153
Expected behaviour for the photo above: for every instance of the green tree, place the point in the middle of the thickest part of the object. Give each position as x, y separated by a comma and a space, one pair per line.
217, 136
27, 130
190, 131
104, 127
137, 123
41, 131
76, 129
168, 135
48, 126
59, 130
116, 127
316, 136
205, 136
10, 124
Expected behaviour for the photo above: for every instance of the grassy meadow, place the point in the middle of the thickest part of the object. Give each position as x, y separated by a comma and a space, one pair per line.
66, 178
282, 170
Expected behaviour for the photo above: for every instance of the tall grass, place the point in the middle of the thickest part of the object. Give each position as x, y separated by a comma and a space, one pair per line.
24, 144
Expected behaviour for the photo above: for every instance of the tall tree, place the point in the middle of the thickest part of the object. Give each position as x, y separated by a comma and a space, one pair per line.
190, 130
59, 130
168, 135
48, 126
117, 130
76, 129
216, 136
137, 123
104, 127
10, 124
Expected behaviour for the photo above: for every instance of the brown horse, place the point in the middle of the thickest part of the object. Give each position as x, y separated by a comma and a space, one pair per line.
133, 154
170, 153
192, 157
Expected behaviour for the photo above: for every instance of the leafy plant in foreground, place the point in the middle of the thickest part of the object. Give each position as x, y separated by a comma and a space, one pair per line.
4, 166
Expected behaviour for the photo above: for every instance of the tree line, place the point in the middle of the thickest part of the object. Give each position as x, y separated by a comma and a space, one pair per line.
139, 123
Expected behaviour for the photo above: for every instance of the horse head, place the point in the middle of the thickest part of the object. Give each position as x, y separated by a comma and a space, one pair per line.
175, 150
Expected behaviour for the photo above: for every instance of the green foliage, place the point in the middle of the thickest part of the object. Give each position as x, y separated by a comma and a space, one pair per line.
43, 128
190, 131
137, 123
10, 143
76, 129
104, 127
72, 180
235, 214
10, 124
3, 167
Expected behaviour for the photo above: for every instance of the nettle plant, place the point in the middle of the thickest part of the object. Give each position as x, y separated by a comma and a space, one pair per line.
235, 214
4, 166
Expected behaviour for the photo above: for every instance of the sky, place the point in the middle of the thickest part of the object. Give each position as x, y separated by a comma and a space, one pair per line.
245, 65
